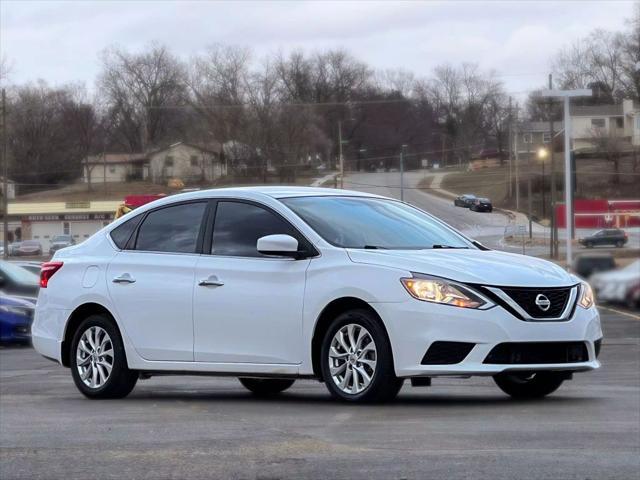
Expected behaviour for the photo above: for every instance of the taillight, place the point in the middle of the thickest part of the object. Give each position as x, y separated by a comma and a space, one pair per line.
47, 270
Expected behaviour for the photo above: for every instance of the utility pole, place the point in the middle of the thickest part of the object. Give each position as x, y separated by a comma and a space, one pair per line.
5, 174
530, 206
566, 95
402, 172
553, 241
517, 161
510, 149
340, 154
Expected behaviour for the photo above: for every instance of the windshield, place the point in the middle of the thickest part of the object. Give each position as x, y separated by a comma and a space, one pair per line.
61, 238
18, 274
350, 222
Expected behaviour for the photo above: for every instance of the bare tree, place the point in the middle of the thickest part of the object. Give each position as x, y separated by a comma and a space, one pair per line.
141, 90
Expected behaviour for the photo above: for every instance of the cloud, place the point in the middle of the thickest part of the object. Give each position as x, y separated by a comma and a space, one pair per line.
60, 40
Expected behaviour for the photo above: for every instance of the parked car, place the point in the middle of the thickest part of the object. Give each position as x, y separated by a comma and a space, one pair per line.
33, 267
17, 281
608, 236
271, 284
586, 265
29, 248
13, 248
481, 205
619, 286
16, 316
465, 200
60, 241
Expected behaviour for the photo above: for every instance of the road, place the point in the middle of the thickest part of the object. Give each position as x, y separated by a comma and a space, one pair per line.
205, 427
487, 228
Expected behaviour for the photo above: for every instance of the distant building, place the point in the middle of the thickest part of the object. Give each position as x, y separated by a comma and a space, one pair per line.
44, 220
115, 167
620, 122
532, 136
11, 188
187, 162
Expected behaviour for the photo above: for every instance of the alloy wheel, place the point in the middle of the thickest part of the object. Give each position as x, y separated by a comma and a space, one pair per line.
352, 358
94, 357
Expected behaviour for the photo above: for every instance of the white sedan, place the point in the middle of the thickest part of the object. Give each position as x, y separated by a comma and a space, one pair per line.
278, 283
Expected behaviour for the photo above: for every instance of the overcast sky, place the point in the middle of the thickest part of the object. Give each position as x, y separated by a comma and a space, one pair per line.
60, 41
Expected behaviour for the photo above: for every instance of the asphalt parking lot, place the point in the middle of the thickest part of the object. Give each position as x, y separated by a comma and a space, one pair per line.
205, 427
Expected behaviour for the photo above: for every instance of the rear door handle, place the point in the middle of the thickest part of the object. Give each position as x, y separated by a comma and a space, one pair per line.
124, 278
211, 281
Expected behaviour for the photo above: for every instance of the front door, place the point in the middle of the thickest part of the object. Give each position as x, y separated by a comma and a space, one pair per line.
248, 306
151, 283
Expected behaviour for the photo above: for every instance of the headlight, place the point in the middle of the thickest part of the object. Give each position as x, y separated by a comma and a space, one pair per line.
446, 292
586, 296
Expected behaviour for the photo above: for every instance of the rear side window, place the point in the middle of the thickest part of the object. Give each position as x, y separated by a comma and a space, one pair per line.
121, 234
238, 226
172, 229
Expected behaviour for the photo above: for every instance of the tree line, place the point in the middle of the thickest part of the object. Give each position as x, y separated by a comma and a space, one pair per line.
290, 109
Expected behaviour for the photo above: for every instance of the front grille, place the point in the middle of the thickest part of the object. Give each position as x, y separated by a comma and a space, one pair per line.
526, 299
537, 352
446, 353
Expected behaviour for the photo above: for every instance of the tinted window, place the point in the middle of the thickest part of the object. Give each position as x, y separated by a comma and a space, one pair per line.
373, 223
121, 234
238, 226
171, 229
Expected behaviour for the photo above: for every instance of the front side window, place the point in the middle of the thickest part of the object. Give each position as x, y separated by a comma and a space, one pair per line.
172, 229
238, 226
371, 223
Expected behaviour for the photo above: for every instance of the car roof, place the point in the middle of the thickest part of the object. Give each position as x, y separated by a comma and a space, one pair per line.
276, 192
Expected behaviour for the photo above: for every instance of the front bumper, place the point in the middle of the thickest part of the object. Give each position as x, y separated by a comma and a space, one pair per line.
413, 326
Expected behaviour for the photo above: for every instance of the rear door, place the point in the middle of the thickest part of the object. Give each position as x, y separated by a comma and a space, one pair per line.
248, 306
151, 281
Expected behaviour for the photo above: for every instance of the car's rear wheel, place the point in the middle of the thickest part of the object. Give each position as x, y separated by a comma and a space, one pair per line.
98, 361
265, 387
529, 384
619, 244
357, 362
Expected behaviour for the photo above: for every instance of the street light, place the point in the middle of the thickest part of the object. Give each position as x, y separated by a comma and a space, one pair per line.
568, 188
542, 156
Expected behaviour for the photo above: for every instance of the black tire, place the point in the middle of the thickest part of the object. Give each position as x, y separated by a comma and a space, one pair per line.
121, 380
266, 387
619, 244
384, 385
589, 244
529, 385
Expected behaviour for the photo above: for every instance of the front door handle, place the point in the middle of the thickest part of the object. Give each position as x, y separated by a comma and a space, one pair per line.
124, 278
211, 281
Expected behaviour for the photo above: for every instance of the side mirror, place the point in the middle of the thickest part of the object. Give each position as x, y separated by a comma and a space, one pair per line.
281, 245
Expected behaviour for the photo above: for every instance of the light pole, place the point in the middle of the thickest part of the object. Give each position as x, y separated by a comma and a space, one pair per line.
402, 172
542, 156
566, 95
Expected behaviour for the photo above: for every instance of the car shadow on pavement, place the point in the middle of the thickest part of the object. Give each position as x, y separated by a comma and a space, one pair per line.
315, 399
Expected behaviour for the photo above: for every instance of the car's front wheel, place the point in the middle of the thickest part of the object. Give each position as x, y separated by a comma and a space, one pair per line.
357, 362
265, 387
98, 361
529, 384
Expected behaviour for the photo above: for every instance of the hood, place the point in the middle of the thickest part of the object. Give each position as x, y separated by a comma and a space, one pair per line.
471, 266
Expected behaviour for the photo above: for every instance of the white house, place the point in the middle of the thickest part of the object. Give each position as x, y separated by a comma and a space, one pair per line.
620, 121
115, 167
187, 162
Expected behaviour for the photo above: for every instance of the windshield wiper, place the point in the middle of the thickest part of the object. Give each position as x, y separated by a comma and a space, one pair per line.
374, 247
449, 247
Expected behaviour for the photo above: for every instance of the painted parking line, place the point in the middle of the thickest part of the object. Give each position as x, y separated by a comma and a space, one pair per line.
620, 312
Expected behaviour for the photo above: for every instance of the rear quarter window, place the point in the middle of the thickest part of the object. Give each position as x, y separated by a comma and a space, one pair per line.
122, 233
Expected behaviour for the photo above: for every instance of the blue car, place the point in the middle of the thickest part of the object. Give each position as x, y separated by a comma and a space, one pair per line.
16, 316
